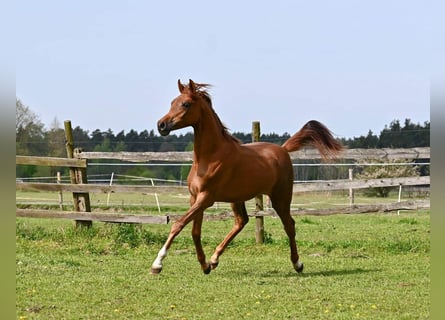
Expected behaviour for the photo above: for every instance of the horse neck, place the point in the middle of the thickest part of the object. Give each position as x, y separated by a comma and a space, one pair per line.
208, 137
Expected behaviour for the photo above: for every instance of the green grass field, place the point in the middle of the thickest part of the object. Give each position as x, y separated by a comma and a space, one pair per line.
373, 266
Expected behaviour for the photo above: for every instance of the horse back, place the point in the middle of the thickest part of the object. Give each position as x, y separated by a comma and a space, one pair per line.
249, 170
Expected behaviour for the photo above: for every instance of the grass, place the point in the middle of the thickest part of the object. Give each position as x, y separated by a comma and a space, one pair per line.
373, 266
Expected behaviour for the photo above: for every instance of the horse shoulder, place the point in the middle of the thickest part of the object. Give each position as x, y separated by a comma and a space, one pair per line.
201, 175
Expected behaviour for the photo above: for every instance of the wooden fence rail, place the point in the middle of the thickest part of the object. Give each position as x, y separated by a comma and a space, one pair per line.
94, 188
343, 184
354, 209
89, 216
327, 185
165, 219
305, 154
51, 161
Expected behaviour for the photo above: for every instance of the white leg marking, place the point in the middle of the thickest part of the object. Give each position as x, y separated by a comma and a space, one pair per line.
157, 264
214, 259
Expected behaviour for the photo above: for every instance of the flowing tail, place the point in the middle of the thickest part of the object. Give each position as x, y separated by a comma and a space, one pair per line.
317, 135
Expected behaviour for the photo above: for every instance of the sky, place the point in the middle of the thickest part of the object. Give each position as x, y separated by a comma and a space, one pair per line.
353, 65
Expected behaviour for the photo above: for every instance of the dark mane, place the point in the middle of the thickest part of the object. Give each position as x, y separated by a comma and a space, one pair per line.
201, 90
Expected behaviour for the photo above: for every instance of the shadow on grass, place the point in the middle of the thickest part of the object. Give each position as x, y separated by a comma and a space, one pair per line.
324, 273
341, 272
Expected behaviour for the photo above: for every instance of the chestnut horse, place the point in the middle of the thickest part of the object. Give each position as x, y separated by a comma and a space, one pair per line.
227, 171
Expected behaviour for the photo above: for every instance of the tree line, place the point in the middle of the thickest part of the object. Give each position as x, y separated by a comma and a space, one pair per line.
32, 138
394, 135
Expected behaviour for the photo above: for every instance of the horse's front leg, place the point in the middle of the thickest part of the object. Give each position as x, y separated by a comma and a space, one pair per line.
202, 202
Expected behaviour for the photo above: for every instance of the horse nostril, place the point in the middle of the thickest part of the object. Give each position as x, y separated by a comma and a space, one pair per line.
162, 125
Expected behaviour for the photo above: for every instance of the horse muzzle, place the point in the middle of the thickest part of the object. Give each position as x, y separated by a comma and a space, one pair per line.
164, 127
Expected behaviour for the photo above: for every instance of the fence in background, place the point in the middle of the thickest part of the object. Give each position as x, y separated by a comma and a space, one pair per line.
151, 188
78, 162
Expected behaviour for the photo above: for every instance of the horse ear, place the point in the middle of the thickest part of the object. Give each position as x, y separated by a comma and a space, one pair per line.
180, 86
192, 86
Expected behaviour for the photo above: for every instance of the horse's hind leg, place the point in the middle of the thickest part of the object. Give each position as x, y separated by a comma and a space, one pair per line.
282, 207
241, 219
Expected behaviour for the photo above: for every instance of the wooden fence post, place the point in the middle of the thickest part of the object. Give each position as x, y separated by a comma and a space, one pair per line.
259, 220
351, 191
77, 176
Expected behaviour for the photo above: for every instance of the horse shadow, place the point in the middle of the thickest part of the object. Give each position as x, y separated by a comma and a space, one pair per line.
323, 273
340, 272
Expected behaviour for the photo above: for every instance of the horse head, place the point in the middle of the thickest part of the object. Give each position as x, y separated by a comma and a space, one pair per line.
185, 109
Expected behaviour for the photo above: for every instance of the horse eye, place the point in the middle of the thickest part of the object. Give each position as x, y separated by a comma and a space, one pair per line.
186, 104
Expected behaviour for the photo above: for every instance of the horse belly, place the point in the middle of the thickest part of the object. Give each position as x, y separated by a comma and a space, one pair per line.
244, 183
257, 169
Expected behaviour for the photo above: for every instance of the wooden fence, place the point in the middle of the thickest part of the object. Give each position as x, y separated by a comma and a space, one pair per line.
77, 161
82, 213
84, 188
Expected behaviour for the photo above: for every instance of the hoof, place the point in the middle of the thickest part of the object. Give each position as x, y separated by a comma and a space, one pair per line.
155, 271
299, 267
214, 265
208, 269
